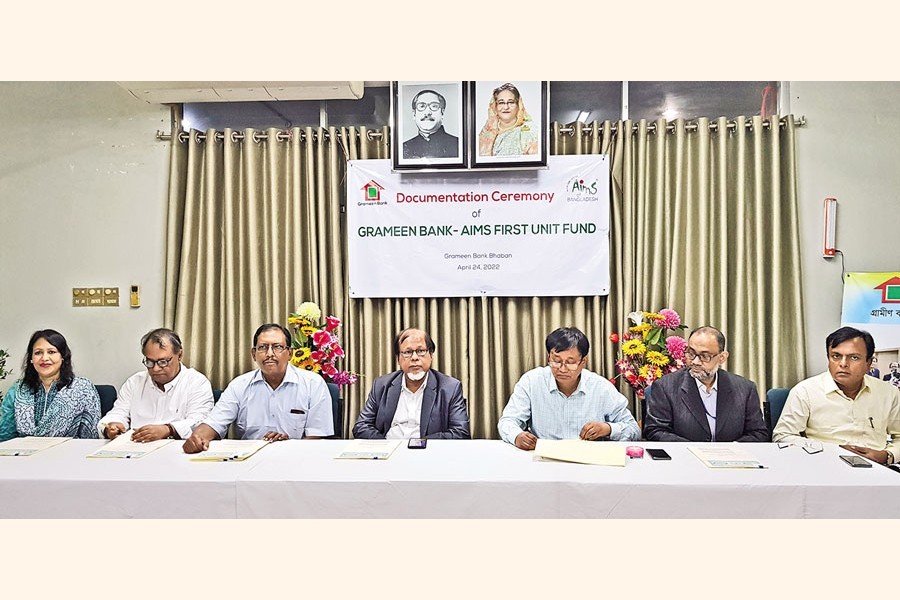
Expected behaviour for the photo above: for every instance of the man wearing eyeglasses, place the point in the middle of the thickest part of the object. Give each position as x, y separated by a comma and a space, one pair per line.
275, 402
704, 402
845, 406
414, 401
432, 141
563, 400
164, 400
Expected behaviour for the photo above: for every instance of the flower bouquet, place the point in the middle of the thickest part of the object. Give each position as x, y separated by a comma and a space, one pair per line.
3, 370
316, 347
646, 353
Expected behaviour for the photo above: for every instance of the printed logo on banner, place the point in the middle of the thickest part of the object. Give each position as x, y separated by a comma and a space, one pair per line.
372, 193
582, 190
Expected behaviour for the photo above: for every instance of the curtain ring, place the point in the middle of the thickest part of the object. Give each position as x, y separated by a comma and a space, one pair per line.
369, 136
183, 136
284, 135
234, 137
256, 137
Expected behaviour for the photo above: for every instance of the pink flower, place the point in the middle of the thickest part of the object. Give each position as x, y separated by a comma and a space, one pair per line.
321, 338
612, 380
344, 378
329, 370
675, 346
671, 320
337, 350
317, 356
332, 323
614, 337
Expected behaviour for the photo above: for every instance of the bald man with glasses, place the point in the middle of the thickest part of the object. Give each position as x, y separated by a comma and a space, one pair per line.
703, 402
164, 400
275, 402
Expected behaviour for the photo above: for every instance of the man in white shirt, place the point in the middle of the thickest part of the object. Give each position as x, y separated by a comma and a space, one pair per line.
165, 400
845, 406
415, 401
275, 402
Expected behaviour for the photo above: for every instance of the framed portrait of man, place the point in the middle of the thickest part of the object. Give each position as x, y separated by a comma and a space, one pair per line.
428, 125
509, 123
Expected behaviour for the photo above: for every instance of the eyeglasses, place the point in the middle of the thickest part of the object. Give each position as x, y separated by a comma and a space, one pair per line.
431, 105
570, 366
162, 363
420, 352
264, 348
704, 357
502, 103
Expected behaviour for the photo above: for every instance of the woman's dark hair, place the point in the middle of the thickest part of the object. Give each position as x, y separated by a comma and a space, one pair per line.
564, 338
66, 372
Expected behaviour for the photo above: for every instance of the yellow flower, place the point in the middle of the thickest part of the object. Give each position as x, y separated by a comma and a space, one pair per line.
308, 330
642, 329
657, 358
295, 321
302, 354
650, 372
633, 348
653, 316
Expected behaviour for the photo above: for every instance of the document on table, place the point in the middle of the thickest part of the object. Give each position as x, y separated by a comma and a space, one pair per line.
725, 457
581, 451
369, 449
228, 450
124, 447
26, 446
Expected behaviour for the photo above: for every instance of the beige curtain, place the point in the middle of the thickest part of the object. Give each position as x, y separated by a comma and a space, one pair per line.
703, 221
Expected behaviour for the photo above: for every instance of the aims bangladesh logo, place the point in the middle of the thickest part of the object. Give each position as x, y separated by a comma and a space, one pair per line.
580, 189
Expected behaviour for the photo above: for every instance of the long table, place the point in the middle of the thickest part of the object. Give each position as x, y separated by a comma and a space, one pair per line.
448, 479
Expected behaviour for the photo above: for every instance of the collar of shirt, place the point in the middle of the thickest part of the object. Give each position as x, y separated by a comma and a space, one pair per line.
553, 386
171, 385
830, 386
421, 387
701, 387
290, 376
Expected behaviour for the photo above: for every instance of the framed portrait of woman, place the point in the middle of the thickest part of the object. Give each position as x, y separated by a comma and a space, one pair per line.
428, 125
509, 123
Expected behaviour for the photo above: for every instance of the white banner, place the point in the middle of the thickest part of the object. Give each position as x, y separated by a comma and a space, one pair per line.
542, 232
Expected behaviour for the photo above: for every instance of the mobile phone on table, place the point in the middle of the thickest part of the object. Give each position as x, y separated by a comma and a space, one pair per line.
417, 443
658, 454
855, 461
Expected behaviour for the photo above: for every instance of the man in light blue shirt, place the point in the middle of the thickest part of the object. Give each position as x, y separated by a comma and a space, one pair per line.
564, 400
275, 402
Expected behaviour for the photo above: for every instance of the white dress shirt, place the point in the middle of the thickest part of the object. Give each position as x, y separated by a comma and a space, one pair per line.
185, 402
406, 423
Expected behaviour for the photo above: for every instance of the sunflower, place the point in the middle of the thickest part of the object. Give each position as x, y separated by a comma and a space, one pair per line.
657, 358
633, 348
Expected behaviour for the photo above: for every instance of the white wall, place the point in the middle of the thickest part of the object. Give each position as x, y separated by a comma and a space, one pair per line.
849, 150
83, 194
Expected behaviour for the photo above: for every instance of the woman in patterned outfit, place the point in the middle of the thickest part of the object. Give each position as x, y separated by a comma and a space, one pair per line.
49, 400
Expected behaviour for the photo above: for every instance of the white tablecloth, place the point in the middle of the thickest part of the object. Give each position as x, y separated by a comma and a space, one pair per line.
448, 479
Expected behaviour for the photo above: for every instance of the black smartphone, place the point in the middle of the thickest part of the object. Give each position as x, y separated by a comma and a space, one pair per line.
417, 443
855, 461
658, 454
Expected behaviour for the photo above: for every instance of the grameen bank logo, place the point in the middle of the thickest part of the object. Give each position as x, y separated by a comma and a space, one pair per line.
372, 191
577, 185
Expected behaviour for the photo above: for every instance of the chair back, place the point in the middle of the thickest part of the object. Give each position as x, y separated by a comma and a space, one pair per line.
216, 394
108, 397
645, 401
337, 411
772, 407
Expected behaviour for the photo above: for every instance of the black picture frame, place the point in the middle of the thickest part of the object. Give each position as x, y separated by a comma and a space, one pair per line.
525, 143
445, 147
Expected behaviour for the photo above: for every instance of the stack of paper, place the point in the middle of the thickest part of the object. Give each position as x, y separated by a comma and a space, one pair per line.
727, 457
582, 451
369, 449
227, 450
26, 446
124, 447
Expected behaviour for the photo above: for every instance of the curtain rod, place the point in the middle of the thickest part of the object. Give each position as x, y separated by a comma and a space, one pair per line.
285, 135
